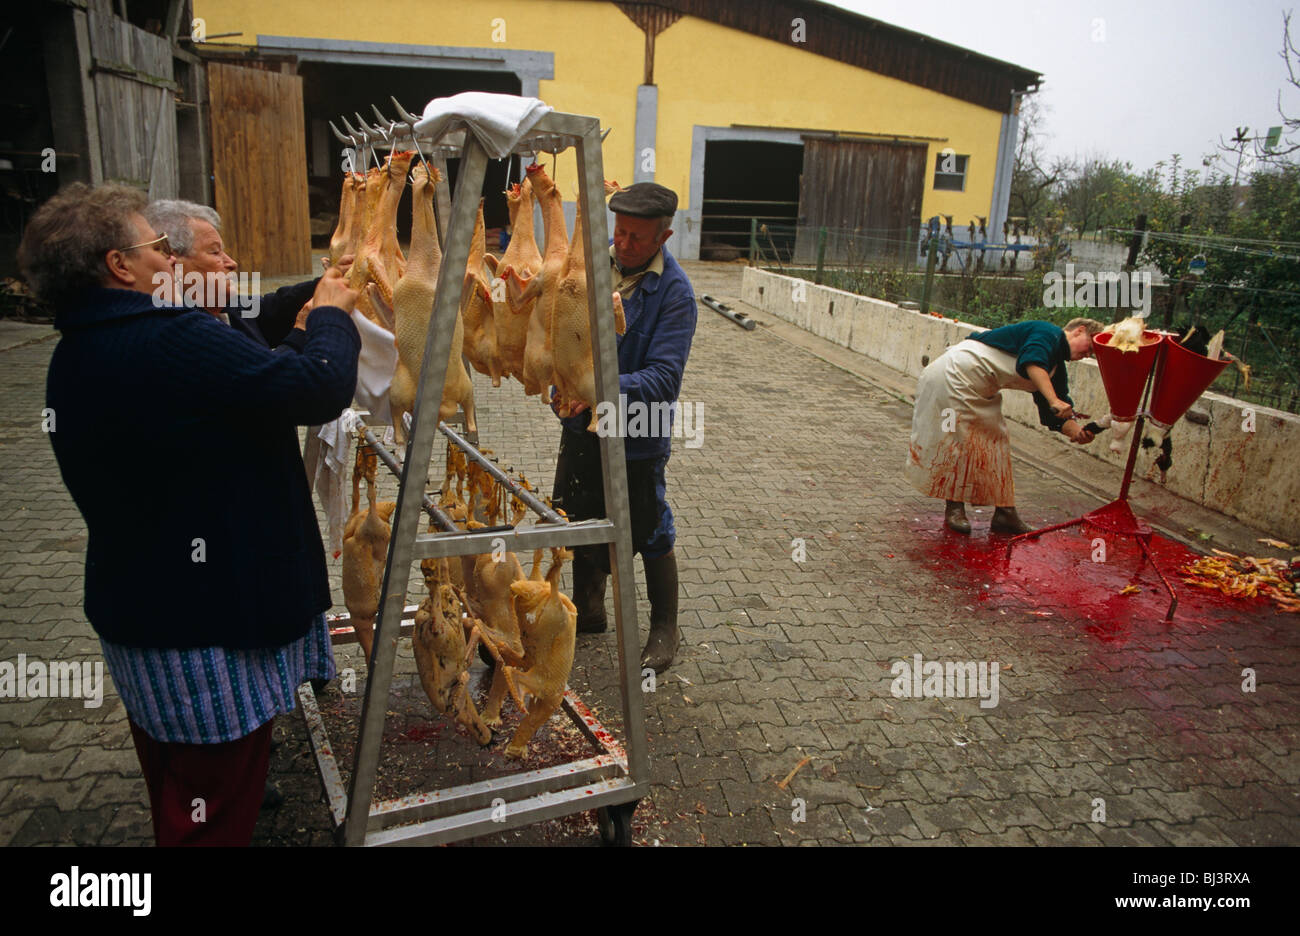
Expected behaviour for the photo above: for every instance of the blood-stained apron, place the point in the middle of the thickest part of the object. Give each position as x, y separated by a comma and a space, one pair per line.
960, 449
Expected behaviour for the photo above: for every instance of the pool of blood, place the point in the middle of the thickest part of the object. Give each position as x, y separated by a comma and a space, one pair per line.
1055, 577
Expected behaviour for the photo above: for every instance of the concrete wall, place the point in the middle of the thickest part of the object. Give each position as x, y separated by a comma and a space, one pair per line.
1253, 476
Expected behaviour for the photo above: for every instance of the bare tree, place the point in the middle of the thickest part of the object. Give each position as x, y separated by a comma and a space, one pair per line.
1279, 154
1033, 177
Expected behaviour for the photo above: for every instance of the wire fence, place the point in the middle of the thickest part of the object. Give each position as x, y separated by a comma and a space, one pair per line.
989, 284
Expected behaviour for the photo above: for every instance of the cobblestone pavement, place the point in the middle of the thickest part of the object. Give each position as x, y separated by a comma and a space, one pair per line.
778, 724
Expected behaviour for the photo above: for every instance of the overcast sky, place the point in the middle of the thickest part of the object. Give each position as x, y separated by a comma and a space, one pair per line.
1169, 76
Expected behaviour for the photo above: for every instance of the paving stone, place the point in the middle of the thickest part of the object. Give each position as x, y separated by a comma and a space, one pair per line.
1074, 835
1080, 778
944, 840
48, 825
736, 714
807, 738
950, 816
888, 819
960, 783
1011, 836
1191, 805
744, 796
98, 760
116, 790
746, 738
11, 822
1137, 806
696, 770
65, 795
131, 825
44, 765
1199, 833
1262, 829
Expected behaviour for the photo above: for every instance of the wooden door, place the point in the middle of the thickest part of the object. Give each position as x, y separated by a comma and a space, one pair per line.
867, 194
259, 168
135, 102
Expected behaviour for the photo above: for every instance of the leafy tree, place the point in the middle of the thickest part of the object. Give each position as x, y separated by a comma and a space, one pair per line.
1106, 193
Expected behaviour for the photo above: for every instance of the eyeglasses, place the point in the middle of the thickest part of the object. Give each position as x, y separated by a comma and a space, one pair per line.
161, 245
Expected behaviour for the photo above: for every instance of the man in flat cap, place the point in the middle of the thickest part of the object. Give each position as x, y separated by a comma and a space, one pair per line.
659, 305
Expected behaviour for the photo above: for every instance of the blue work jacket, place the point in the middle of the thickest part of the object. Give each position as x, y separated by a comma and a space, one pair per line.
661, 316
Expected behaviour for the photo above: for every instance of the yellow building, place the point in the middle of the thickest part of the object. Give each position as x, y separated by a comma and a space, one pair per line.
791, 112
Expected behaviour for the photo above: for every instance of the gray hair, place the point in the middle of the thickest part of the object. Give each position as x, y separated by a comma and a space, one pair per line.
171, 216
63, 248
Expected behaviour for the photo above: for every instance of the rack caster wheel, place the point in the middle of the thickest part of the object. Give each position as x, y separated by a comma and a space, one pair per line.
615, 823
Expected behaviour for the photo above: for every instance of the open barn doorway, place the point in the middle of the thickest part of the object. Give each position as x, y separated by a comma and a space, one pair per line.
744, 180
332, 89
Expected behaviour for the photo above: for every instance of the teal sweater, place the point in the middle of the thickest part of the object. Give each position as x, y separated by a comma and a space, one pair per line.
1040, 343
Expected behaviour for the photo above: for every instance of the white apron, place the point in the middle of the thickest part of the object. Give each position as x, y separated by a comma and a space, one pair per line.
960, 449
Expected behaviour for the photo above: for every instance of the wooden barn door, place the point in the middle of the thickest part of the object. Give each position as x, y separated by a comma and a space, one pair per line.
866, 193
259, 168
135, 102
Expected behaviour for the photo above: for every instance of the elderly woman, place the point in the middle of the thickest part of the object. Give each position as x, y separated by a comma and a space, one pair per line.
194, 232
960, 449
205, 580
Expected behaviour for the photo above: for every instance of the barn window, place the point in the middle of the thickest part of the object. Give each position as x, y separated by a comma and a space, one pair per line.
950, 172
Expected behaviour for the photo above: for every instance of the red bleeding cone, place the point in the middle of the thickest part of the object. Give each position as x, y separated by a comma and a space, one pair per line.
1124, 373
1181, 377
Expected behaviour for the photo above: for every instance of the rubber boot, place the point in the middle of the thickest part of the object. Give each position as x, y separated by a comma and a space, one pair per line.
661, 586
954, 517
1006, 520
589, 595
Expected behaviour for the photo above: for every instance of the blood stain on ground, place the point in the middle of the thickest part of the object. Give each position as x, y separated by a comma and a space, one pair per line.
1056, 576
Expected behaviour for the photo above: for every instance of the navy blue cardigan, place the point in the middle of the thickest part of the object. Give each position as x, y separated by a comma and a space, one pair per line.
273, 327
176, 437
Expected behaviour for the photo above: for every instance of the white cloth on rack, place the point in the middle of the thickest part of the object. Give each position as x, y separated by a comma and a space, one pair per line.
499, 121
375, 368
331, 468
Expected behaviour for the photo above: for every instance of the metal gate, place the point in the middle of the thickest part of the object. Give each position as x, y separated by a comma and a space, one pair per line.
866, 193
259, 168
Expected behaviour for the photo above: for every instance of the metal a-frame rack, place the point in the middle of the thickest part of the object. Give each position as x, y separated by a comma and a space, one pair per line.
615, 777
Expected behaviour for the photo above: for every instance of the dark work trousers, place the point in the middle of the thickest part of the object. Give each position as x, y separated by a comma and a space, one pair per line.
579, 491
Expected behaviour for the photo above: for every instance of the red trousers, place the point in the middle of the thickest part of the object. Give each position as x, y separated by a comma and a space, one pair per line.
205, 794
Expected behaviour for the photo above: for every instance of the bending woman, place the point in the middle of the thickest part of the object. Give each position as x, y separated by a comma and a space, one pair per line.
960, 449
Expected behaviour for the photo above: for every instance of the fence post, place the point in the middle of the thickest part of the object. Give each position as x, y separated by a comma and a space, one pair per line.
929, 278
821, 255
1139, 225
753, 239
905, 261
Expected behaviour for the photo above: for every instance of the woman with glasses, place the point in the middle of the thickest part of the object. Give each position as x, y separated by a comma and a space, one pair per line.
206, 580
960, 449
276, 320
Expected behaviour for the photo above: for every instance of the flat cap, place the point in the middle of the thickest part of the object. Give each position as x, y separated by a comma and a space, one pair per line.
645, 200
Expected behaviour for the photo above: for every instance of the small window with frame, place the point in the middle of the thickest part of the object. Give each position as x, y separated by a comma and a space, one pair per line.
950, 172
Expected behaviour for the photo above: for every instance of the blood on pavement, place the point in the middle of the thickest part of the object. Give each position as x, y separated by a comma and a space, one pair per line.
1055, 576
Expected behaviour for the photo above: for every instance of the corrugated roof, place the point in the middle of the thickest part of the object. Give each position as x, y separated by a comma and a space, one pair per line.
867, 43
